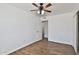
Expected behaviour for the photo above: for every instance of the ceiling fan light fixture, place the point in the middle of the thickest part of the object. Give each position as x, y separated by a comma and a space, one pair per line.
42, 12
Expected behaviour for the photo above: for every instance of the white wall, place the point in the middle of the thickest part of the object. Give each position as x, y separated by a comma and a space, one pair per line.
17, 28
61, 28
75, 42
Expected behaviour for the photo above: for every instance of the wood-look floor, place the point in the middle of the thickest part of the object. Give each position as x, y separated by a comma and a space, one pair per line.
44, 47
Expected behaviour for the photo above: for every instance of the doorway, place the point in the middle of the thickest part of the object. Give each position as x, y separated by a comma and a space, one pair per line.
45, 30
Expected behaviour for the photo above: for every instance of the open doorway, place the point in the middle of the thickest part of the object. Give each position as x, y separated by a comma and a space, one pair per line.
45, 30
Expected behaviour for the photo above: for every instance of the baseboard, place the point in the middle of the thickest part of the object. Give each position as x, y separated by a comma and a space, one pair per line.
66, 43
6, 53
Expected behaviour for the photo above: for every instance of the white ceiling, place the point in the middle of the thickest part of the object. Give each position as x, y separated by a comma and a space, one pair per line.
57, 8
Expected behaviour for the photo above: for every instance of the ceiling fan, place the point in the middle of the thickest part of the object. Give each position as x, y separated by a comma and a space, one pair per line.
41, 9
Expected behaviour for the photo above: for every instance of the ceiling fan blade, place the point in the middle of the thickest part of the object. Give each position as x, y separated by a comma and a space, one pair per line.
48, 5
35, 4
48, 11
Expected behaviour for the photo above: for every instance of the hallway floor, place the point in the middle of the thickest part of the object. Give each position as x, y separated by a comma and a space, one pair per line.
44, 47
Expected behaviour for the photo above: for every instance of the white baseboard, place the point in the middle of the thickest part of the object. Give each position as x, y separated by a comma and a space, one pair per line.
8, 52
60, 42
